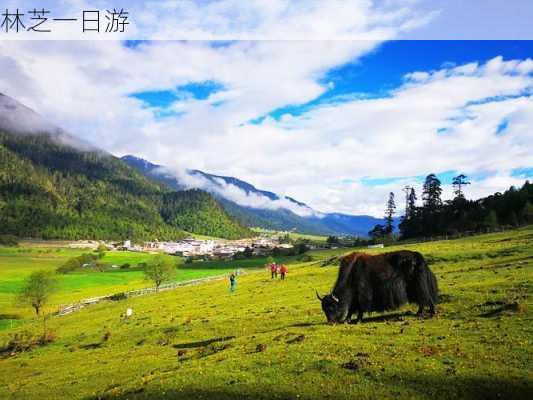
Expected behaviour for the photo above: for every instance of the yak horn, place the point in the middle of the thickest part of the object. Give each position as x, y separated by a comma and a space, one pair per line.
318, 296
334, 298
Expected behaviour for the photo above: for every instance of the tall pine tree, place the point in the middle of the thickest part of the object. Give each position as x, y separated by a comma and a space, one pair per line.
458, 183
389, 214
431, 193
411, 204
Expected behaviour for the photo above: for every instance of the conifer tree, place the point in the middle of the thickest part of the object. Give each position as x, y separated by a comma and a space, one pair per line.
431, 193
389, 214
458, 183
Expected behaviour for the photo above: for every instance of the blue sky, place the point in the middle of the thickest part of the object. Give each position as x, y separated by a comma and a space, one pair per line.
165, 98
384, 69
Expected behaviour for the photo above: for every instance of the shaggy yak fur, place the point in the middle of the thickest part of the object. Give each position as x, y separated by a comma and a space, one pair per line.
382, 282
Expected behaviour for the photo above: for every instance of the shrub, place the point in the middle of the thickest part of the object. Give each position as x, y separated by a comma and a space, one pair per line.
8, 240
70, 265
75, 263
101, 248
125, 266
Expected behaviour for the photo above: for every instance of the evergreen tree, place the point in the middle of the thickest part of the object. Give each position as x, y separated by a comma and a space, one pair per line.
458, 182
389, 214
431, 192
411, 204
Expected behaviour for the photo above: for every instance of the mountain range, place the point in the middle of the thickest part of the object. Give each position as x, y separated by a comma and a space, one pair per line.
271, 211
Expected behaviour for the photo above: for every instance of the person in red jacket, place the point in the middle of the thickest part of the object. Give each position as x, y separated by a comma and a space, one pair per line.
283, 271
274, 270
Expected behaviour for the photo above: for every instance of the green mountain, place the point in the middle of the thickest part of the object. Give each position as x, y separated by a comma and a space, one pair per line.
197, 211
53, 186
280, 218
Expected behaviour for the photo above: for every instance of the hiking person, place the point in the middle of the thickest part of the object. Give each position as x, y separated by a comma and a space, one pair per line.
283, 271
274, 270
232, 282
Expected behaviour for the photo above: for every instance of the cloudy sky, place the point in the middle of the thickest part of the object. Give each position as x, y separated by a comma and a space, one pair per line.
334, 123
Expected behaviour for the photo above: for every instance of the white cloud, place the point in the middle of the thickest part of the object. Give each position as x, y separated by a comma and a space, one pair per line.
229, 191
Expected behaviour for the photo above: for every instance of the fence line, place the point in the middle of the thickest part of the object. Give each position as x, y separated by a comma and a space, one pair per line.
70, 308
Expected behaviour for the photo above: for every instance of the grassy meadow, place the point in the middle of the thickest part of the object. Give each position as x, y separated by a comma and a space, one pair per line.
269, 339
16, 263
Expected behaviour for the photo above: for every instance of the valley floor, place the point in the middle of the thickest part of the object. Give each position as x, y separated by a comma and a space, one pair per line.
269, 339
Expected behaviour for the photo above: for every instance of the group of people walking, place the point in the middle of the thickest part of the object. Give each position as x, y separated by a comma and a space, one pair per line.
276, 269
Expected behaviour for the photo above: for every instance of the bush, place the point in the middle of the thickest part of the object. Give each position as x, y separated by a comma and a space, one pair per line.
75, 263
125, 266
70, 265
101, 248
9, 240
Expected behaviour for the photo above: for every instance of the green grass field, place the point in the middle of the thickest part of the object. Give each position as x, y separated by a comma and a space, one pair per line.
269, 339
16, 263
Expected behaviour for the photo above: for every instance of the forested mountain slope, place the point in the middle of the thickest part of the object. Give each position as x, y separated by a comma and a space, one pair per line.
279, 218
53, 190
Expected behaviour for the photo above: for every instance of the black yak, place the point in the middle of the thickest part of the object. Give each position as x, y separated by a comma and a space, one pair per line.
381, 282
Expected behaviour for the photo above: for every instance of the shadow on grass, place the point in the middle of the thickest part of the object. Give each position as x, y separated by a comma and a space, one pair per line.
398, 316
202, 343
306, 324
404, 386
232, 390
503, 307
465, 387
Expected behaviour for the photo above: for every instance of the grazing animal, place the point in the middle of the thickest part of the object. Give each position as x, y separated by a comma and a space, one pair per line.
381, 282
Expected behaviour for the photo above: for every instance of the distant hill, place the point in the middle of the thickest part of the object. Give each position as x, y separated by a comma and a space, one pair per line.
53, 185
290, 215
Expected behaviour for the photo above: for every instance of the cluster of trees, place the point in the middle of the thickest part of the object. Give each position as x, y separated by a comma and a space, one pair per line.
54, 191
512, 208
436, 217
75, 263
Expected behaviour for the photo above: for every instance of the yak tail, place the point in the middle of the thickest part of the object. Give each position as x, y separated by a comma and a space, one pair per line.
428, 290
